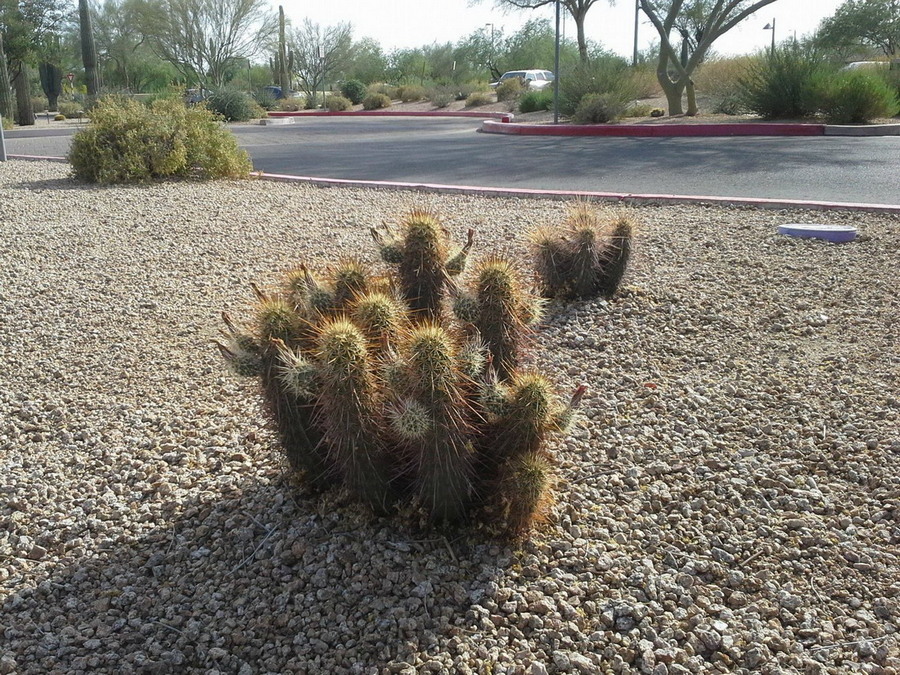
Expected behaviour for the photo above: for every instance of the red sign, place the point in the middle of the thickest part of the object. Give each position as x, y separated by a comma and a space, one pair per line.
70, 77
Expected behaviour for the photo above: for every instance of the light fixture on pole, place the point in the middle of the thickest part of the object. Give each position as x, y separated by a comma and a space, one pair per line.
491, 55
771, 27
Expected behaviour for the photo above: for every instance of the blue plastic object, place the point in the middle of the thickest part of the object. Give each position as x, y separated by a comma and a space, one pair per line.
838, 234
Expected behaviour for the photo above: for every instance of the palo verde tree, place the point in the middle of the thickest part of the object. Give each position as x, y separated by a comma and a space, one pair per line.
203, 39
869, 23
710, 20
577, 8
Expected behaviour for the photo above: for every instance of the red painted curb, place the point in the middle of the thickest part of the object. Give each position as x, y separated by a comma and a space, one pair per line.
621, 197
503, 117
655, 130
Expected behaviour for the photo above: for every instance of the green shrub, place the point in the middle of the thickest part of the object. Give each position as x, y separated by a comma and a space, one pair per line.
381, 88
478, 98
892, 78
603, 75
510, 89
782, 85
70, 109
354, 90
233, 105
638, 110
393, 398
290, 104
599, 109
265, 99
127, 141
442, 96
59, 117
534, 101
8, 123
376, 102
466, 88
721, 81
311, 102
854, 97
337, 103
39, 103
410, 93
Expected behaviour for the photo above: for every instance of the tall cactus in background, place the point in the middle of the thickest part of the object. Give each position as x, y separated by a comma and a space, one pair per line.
51, 83
88, 49
6, 97
284, 70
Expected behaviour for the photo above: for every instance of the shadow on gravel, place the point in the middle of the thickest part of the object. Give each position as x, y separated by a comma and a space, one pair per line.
253, 581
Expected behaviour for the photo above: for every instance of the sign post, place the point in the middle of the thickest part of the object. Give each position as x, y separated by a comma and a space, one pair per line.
2, 142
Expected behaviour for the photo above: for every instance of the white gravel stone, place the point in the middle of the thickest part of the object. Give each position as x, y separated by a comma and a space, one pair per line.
727, 503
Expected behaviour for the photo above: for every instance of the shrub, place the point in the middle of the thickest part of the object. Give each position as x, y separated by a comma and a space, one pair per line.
533, 101
265, 99
59, 117
376, 102
638, 110
854, 97
604, 75
599, 109
392, 397
510, 89
463, 90
478, 98
657, 112
382, 88
410, 93
8, 123
442, 96
290, 104
127, 141
354, 90
233, 105
781, 86
586, 257
39, 103
337, 103
721, 81
70, 109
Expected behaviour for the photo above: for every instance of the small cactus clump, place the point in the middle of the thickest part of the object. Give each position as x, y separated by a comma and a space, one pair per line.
587, 257
374, 386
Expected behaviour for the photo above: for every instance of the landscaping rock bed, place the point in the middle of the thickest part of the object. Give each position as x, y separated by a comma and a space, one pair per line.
729, 503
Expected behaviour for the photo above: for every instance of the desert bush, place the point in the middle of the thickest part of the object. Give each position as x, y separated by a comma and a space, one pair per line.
533, 101
392, 397
638, 110
69, 108
265, 99
782, 85
586, 257
605, 75
599, 109
381, 88
337, 103
643, 83
39, 103
354, 90
721, 81
410, 93
59, 117
510, 89
442, 96
376, 102
291, 104
854, 97
127, 141
233, 105
8, 123
465, 88
479, 98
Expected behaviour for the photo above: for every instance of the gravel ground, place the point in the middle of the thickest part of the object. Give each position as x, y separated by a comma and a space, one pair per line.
728, 504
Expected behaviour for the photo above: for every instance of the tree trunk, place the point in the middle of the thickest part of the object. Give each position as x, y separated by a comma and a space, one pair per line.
582, 41
6, 97
284, 76
672, 90
88, 49
691, 99
24, 110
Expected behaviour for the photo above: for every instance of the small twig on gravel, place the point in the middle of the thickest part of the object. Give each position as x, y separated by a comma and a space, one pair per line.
259, 546
165, 625
753, 557
849, 644
450, 548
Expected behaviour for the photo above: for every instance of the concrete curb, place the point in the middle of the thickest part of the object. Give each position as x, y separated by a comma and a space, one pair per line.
503, 117
620, 197
862, 130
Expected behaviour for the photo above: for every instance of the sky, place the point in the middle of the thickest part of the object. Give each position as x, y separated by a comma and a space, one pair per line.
399, 24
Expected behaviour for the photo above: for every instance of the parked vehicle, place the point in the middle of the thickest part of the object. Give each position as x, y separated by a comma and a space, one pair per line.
532, 79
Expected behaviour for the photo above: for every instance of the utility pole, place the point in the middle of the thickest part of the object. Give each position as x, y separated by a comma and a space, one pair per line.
556, 71
637, 16
491, 52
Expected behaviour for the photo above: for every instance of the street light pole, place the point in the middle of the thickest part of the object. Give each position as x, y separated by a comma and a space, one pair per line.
556, 71
637, 16
771, 27
491, 53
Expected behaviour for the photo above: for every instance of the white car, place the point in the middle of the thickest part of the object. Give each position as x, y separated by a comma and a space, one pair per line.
532, 79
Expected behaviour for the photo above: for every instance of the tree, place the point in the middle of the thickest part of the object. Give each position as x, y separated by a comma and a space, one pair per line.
203, 39
366, 62
705, 21
873, 23
319, 52
577, 8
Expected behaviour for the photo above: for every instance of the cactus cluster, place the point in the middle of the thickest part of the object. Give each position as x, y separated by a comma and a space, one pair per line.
409, 385
586, 257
